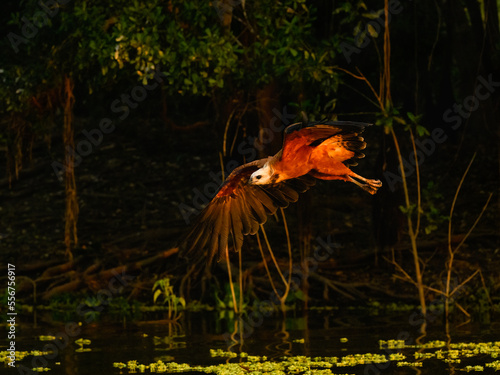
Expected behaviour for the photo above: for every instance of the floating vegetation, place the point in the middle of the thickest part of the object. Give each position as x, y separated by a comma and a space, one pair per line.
40, 369
494, 365
397, 357
361, 359
474, 368
81, 343
392, 344
46, 338
409, 364
289, 365
21, 354
420, 355
223, 353
396, 353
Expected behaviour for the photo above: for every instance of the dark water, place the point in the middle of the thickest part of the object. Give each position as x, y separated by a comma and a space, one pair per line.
326, 334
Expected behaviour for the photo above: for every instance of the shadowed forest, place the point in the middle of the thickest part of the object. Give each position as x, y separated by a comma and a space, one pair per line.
121, 119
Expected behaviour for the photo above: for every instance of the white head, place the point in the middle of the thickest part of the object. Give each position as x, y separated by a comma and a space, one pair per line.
262, 176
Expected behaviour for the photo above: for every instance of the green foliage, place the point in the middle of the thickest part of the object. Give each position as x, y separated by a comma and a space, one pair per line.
184, 39
225, 305
226, 302
432, 208
415, 122
64, 306
355, 15
387, 116
280, 47
296, 295
93, 310
391, 115
408, 211
122, 308
102, 44
163, 293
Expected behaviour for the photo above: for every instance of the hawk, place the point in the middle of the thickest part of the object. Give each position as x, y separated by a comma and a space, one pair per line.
255, 190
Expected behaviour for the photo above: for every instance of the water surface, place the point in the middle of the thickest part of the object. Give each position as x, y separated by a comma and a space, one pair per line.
334, 337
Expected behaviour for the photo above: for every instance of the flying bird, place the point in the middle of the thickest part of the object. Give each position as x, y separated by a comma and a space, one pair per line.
255, 190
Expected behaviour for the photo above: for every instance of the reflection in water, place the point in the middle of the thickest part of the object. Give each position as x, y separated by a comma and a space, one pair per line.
282, 346
331, 340
276, 346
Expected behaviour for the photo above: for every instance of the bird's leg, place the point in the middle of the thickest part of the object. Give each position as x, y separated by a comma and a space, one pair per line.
371, 186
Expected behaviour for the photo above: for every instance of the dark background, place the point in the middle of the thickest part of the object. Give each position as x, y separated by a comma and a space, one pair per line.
228, 79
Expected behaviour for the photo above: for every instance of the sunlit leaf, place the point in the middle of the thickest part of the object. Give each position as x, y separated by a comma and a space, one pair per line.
371, 30
421, 131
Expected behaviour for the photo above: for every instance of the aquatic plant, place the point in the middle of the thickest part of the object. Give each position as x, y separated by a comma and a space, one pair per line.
243, 363
163, 292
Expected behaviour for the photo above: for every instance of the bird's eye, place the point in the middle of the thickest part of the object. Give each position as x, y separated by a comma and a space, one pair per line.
258, 177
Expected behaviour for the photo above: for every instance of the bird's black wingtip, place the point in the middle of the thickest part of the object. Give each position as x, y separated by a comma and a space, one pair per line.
291, 128
301, 125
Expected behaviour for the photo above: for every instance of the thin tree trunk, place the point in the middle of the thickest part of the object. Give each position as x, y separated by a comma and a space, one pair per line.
305, 239
270, 126
71, 213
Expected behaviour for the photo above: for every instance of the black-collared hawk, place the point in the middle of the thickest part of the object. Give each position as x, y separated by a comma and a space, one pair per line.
255, 190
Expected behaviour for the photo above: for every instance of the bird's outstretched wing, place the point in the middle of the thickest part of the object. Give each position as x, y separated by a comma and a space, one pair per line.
313, 134
238, 209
